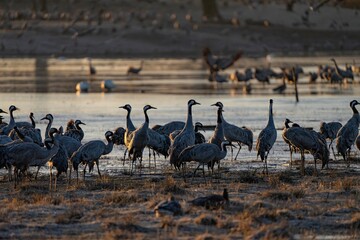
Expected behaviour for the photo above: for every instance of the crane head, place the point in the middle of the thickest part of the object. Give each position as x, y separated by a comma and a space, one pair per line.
48, 117
147, 107
78, 122
126, 107
354, 103
218, 104
13, 108
192, 102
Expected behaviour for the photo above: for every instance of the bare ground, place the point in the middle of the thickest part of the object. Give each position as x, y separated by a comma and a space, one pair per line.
282, 205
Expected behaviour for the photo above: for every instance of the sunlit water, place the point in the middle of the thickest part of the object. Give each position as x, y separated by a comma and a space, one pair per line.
101, 112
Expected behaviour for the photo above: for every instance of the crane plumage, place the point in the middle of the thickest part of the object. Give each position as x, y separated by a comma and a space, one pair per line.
139, 138
89, 154
215, 63
76, 133
266, 138
170, 127
6, 129
185, 138
329, 131
134, 70
348, 133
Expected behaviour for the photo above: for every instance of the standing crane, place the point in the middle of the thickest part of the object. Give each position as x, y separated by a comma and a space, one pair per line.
76, 133
329, 131
347, 135
185, 138
267, 138
129, 127
89, 154
6, 129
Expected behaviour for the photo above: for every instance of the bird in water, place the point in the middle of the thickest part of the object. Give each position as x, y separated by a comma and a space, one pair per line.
215, 63
266, 138
107, 85
213, 201
329, 130
348, 133
92, 70
90, 153
82, 87
134, 70
185, 138
6, 129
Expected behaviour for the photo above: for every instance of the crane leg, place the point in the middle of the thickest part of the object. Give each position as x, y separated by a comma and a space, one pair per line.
50, 170
348, 157
332, 148
302, 162
291, 152
203, 170
97, 165
195, 172
149, 157
124, 156
84, 171
37, 172
238, 150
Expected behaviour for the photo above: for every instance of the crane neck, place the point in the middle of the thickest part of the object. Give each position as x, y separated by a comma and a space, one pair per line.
77, 126
20, 135
48, 128
109, 146
223, 146
219, 115
146, 117
129, 123
271, 118
355, 111
287, 125
32, 121
189, 121
336, 66
12, 120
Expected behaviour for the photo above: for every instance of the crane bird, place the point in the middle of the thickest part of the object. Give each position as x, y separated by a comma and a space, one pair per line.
168, 207
213, 201
139, 139
134, 70
185, 138
266, 138
89, 154
242, 77
347, 74
107, 85
82, 87
348, 133
204, 153
2, 123
92, 70
27, 129
215, 63
307, 140
170, 127
218, 136
236, 134
129, 128
6, 129
30, 124
26, 154
199, 137
329, 131
286, 127
76, 133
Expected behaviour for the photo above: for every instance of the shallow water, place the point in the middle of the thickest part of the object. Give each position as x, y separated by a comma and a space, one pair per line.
100, 112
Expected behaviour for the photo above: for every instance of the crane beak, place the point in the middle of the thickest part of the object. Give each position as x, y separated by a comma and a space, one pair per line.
122, 107
82, 123
43, 118
2, 111
197, 103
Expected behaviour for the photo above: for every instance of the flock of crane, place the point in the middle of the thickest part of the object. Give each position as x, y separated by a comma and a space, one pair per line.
21, 144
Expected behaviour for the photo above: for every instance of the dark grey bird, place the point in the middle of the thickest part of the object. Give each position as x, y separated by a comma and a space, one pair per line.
170, 127
262, 76
242, 77
21, 136
204, 154
266, 138
6, 129
59, 161
76, 133
199, 137
313, 76
119, 135
168, 207
92, 70
345, 74
30, 124
216, 77
308, 140
28, 130
5, 139
158, 142
215, 63
26, 154
90, 153
185, 138
218, 136
281, 88
134, 70
236, 134
139, 139
286, 127
107, 85
2, 123
329, 131
357, 142
347, 135
213, 201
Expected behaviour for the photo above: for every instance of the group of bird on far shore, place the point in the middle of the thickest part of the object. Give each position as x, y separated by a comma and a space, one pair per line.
21, 144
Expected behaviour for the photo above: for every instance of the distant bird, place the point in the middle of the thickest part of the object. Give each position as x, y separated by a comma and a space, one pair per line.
6, 129
307, 140
92, 70
266, 138
139, 139
281, 88
216, 77
168, 207
185, 138
133, 70
82, 87
76, 133
329, 131
90, 153
346, 74
242, 77
262, 76
170, 127
107, 85
215, 63
204, 154
213, 201
236, 134
313, 76
348, 133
